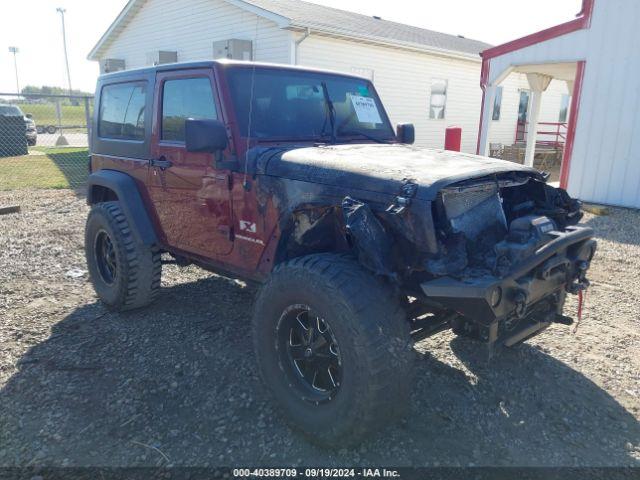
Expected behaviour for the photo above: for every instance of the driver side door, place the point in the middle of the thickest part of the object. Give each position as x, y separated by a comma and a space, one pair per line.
191, 197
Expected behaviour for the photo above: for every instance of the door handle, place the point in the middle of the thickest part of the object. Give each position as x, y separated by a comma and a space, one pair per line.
161, 162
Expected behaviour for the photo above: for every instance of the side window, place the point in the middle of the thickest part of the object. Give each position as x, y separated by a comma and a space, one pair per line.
122, 108
438, 98
185, 98
497, 104
564, 108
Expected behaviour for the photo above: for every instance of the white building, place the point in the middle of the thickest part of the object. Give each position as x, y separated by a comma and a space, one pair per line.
596, 57
427, 78
404, 62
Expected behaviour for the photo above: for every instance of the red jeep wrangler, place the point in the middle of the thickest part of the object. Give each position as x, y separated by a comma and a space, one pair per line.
294, 178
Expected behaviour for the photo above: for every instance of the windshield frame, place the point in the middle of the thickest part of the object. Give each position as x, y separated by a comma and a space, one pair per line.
322, 75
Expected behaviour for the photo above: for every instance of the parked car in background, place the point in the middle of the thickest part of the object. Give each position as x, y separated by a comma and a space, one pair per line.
30, 124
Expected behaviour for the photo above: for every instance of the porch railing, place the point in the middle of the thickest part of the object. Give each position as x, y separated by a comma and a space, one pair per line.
549, 135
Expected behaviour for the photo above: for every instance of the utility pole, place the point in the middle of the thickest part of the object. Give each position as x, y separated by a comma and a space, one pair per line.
15, 50
62, 11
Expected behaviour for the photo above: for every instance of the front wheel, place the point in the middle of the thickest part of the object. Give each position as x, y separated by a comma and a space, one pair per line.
333, 347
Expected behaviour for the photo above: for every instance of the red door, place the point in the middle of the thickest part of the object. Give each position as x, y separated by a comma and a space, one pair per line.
191, 197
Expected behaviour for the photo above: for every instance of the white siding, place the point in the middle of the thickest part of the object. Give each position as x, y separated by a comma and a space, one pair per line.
606, 157
402, 79
191, 27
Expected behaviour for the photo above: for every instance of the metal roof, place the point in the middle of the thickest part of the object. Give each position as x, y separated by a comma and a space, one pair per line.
301, 15
310, 15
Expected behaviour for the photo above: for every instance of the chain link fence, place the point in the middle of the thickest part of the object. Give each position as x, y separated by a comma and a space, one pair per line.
44, 140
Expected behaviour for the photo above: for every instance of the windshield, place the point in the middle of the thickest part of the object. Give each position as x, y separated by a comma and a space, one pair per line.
294, 105
10, 111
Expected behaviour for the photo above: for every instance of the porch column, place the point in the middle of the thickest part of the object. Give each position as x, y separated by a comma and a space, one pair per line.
538, 84
487, 113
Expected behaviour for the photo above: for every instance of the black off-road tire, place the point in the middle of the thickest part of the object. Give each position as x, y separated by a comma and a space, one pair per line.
374, 341
138, 267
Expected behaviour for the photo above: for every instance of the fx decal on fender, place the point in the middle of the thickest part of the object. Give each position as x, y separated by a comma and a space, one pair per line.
247, 226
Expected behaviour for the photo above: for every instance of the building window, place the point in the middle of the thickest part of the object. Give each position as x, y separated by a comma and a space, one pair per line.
564, 108
523, 106
122, 111
182, 99
497, 103
438, 98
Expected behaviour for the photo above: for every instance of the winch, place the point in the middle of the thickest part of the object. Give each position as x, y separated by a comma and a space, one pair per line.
526, 235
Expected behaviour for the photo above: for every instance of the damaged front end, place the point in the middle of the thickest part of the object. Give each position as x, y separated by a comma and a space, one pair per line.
493, 259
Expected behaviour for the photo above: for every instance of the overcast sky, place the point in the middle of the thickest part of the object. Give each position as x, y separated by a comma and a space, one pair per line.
35, 28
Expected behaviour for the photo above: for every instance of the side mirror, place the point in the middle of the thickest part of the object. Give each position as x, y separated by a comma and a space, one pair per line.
205, 135
28, 115
406, 133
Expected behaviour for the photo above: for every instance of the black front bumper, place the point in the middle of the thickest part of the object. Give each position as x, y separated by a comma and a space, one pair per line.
556, 268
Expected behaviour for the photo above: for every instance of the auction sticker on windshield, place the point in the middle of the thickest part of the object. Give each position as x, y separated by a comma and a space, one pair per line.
366, 109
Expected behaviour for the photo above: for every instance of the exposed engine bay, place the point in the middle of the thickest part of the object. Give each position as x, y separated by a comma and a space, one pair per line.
492, 225
503, 254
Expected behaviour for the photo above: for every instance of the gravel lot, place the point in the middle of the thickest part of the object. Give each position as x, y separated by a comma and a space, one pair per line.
176, 384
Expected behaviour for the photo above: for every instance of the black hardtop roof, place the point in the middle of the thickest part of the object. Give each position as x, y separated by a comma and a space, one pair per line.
224, 63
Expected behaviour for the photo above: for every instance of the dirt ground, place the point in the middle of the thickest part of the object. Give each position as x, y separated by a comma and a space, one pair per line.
175, 384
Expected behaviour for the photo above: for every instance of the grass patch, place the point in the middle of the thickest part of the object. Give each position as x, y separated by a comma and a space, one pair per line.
45, 167
45, 113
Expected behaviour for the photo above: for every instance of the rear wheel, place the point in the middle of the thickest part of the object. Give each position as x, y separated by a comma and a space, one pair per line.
333, 347
125, 273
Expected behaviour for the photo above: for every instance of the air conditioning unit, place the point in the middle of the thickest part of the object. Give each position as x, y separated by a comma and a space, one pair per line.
160, 57
234, 49
109, 65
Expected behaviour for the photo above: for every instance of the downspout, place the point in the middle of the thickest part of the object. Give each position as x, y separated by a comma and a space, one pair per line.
484, 78
297, 43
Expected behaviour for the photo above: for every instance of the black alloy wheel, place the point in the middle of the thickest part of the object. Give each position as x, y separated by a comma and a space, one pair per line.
105, 257
309, 353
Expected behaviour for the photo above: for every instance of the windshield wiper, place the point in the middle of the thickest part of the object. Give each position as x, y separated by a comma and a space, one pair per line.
331, 111
365, 135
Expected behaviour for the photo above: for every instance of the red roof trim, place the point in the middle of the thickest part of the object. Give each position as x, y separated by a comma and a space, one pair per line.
582, 21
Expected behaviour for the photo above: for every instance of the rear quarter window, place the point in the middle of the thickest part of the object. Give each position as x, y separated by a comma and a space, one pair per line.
122, 111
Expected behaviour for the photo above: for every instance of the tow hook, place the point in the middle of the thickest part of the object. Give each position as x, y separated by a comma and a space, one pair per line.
581, 283
579, 287
521, 304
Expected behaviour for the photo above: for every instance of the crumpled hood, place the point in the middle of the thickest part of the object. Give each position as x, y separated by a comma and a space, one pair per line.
385, 168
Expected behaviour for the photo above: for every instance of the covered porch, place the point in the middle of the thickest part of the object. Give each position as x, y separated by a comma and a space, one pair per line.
557, 53
542, 144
